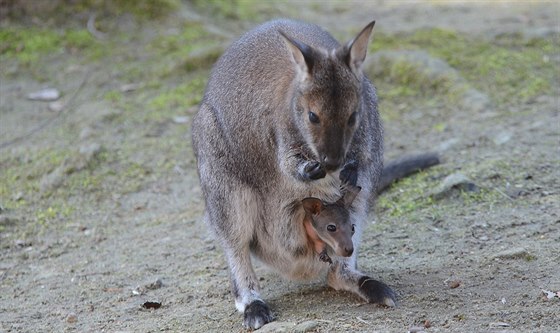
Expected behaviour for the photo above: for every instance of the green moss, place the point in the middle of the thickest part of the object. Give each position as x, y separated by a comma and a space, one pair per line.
59, 12
28, 45
245, 10
180, 97
148, 9
113, 96
509, 70
407, 196
193, 48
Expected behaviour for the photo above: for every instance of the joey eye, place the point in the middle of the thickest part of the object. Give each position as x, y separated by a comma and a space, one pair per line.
353, 228
331, 227
313, 118
352, 119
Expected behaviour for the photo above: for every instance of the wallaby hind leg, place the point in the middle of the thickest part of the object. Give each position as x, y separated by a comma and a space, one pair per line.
234, 222
245, 288
343, 276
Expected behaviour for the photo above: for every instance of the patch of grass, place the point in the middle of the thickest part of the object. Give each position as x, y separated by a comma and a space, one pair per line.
143, 9
509, 69
192, 48
246, 10
408, 195
181, 97
28, 45
58, 12
411, 197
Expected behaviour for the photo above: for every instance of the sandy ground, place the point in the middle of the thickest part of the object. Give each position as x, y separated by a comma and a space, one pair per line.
114, 218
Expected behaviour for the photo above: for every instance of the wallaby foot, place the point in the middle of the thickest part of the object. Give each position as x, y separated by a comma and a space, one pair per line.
257, 314
342, 277
377, 292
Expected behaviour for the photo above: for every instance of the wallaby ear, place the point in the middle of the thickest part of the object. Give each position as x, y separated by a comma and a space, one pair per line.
357, 48
312, 206
350, 195
303, 54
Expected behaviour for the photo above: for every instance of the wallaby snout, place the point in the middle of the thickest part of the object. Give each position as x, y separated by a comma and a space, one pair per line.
348, 251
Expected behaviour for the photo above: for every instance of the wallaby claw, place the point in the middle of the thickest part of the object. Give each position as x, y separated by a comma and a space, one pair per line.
349, 173
313, 170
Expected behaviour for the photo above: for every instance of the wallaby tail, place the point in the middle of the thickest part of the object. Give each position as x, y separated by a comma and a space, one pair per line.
405, 166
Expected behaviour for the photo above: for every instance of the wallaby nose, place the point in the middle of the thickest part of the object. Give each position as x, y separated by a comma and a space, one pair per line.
331, 163
348, 251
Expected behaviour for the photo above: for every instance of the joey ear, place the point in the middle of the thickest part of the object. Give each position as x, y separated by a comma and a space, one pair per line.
357, 48
350, 195
303, 54
312, 205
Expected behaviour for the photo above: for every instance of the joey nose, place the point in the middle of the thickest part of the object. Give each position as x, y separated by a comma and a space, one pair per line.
331, 163
348, 251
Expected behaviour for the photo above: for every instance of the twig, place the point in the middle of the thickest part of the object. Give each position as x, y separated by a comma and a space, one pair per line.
502, 193
93, 30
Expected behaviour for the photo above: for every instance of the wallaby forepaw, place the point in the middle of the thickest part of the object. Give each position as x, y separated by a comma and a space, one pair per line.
323, 256
257, 314
313, 170
377, 292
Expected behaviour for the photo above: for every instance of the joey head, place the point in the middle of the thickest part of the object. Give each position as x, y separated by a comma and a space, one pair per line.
328, 225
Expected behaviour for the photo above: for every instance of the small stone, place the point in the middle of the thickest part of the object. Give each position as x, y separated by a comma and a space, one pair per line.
56, 106
53, 179
454, 284
499, 324
86, 132
448, 144
129, 87
416, 329
181, 119
46, 95
91, 149
18, 196
158, 283
306, 326
454, 181
71, 318
501, 138
476, 101
276, 327
513, 253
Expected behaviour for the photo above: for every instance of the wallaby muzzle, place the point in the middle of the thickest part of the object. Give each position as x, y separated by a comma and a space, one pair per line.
331, 163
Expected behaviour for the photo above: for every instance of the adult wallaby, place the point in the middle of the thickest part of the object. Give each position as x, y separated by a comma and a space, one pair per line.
287, 114
328, 225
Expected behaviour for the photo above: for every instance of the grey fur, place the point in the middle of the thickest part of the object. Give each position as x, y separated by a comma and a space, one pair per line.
259, 153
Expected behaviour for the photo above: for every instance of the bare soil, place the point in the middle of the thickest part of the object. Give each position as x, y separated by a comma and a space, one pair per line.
101, 207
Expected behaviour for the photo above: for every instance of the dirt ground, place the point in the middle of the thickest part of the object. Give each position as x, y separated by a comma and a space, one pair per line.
101, 207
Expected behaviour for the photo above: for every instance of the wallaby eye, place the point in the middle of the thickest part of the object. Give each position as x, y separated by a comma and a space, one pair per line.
353, 228
313, 118
352, 119
331, 227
